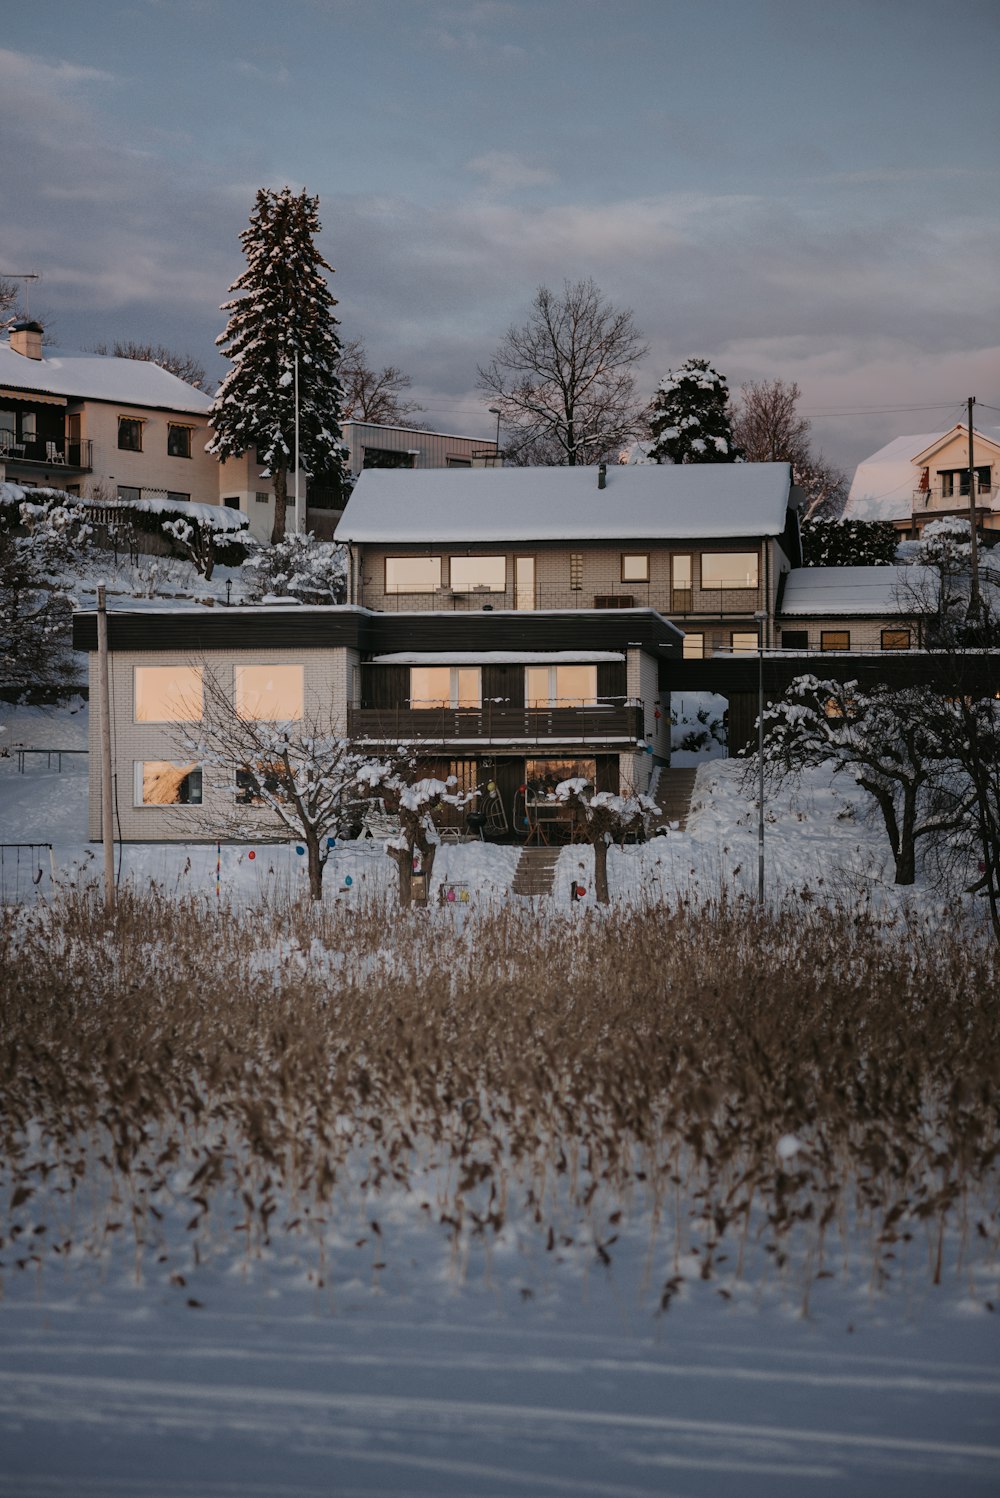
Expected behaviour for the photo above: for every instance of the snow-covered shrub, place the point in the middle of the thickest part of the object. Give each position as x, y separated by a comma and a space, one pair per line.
848, 543
297, 567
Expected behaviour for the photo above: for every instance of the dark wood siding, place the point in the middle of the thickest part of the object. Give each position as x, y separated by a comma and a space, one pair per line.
503, 683
385, 686
611, 679
607, 773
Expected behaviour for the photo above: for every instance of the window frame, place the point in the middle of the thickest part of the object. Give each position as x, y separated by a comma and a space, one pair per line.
747, 634
901, 630
197, 676
174, 427
478, 556
635, 577
554, 700
729, 586
131, 421
139, 784
240, 690
395, 590
455, 686
689, 652
827, 634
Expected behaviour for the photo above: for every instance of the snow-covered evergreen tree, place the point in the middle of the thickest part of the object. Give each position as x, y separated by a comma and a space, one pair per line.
689, 417
283, 308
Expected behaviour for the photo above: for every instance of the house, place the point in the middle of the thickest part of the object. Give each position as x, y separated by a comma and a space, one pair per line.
506, 699
861, 609
913, 480
704, 545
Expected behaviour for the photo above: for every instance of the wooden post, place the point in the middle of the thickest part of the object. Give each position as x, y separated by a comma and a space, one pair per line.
974, 582
104, 712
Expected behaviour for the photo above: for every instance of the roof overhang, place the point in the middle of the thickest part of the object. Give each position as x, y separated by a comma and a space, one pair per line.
35, 397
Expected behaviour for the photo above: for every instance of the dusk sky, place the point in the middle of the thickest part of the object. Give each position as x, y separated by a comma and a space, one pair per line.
788, 188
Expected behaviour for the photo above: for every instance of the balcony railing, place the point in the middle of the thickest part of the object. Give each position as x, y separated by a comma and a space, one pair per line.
62, 453
738, 601
497, 723
936, 498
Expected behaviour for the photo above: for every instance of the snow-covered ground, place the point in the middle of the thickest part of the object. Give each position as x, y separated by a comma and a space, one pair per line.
516, 1371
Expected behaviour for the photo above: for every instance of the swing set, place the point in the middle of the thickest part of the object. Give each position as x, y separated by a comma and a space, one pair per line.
23, 862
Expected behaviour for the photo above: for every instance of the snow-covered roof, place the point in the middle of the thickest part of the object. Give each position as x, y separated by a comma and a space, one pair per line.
80, 376
811, 591
520, 505
883, 485
497, 657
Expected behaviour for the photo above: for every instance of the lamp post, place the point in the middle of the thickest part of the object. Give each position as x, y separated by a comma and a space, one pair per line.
761, 621
494, 411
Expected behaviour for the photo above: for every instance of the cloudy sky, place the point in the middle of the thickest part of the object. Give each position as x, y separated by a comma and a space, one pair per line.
795, 188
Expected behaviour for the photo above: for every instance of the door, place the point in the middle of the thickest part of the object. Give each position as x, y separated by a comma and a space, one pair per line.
524, 582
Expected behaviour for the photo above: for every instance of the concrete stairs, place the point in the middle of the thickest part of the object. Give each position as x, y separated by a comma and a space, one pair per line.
673, 793
535, 871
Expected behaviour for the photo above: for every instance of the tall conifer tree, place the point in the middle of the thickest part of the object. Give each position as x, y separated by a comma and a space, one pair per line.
689, 418
283, 307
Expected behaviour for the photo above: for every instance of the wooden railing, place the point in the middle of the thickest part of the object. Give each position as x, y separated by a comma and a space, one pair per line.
495, 723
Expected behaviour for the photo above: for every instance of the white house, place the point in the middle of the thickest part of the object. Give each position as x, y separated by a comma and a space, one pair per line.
913, 480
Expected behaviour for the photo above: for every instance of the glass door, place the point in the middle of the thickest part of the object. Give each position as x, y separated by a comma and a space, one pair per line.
524, 582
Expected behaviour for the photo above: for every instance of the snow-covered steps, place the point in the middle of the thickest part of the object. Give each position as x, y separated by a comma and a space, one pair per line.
535, 871
674, 789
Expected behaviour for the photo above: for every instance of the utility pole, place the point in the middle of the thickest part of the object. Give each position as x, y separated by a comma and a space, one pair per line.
104, 712
974, 584
298, 515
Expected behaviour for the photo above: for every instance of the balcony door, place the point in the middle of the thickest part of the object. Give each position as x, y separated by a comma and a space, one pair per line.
680, 583
524, 582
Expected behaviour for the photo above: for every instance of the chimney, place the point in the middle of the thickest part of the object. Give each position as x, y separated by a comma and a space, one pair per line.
26, 339
602, 475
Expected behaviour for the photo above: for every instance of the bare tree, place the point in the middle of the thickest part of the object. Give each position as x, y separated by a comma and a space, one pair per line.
563, 382
768, 429
9, 294
374, 395
304, 777
184, 366
607, 819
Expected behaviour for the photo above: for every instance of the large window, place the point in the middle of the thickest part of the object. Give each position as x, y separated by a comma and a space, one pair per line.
729, 569
541, 776
743, 642
478, 574
269, 694
387, 457
168, 694
952, 478
560, 686
178, 441
130, 434
895, 639
445, 686
160, 782
835, 639
412, 574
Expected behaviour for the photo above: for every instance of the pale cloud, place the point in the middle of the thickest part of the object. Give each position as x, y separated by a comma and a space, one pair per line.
504, 171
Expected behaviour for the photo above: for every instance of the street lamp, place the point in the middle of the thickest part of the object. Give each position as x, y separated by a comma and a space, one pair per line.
761, 620
494, 411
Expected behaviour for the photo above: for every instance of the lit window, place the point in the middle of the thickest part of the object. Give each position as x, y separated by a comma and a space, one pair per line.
742, 642
895, 639
130, 434
478, 574
159, 782
694, 647
729, 569
560, 686
412, 574
635, 567
445, 686
178, 441
835, 639
269, 694
168, 694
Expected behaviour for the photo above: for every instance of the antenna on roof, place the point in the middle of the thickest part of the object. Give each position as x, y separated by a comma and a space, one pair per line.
25, 276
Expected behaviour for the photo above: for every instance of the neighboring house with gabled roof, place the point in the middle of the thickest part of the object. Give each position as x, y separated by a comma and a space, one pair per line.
703, 544
913, 480
836, 609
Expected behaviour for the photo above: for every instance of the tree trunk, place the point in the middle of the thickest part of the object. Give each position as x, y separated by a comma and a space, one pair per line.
906, 854
601, 870
404, 862
280, 476
316, 866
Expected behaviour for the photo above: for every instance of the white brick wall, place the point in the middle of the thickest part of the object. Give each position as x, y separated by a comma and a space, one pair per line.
327, 681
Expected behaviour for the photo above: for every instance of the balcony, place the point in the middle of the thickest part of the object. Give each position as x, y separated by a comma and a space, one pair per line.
498, 723
77, 455
727, 602
935, 498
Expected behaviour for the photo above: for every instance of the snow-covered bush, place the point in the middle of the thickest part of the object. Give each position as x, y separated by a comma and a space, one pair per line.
297, 567
607, 818
40, 537
848, 543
